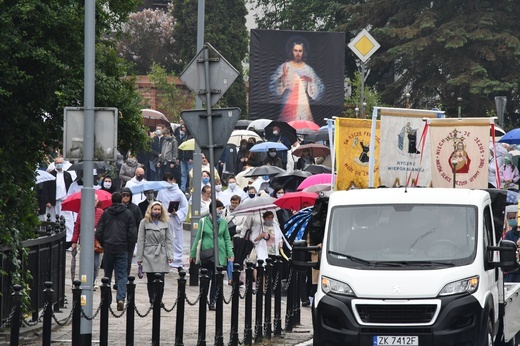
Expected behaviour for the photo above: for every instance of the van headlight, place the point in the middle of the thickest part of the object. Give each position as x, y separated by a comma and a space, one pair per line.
329, 285
469, 285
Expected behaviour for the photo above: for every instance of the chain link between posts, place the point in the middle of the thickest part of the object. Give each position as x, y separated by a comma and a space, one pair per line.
9, 319
32, 324
95, 314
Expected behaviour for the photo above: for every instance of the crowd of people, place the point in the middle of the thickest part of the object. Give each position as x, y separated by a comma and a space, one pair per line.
148, 225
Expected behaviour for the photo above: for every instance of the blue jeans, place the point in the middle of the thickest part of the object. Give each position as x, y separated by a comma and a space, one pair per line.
186, 167
119, 262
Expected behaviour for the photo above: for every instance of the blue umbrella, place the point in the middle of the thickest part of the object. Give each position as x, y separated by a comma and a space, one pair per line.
265, 146
512, 137
150, 185
295, 227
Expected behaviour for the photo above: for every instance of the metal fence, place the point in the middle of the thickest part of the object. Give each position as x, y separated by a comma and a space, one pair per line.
46, 262
267, 322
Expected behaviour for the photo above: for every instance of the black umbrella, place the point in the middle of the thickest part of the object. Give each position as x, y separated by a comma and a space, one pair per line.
242, 124
264, 170
317, 169
97, 165
241, 249
290, 180
286, 130
321, 135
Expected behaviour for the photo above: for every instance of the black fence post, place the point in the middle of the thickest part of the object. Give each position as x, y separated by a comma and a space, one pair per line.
181, 298
203, 305
47, 313
130, 311
248, 327
235, 299
268, 295
157, 301
16, 316
300, 282
194, 274
219, 318
290, 300
105, 305
76, 313
278, 297
259, 300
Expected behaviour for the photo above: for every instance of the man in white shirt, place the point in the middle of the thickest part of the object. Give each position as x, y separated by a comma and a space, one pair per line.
233, 189
138, 179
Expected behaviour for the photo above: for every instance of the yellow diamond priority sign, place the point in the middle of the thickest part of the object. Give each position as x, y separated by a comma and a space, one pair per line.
364, 45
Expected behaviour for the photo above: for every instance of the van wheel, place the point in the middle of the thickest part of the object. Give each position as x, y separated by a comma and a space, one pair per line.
489, 333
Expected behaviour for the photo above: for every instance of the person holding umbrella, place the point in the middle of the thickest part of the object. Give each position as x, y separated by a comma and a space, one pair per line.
273, 159
277, 136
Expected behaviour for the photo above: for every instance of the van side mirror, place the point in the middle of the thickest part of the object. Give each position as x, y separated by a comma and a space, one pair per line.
508, 256
300, 252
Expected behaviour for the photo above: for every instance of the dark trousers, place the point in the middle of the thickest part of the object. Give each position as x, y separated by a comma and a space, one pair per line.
119, 263
150, 286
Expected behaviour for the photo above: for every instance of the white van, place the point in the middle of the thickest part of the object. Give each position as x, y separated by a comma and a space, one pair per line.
413, 266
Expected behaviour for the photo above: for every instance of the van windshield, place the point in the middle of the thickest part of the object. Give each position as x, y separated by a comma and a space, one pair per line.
407, 235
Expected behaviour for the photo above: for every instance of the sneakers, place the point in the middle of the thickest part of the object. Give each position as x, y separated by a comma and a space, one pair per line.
306, 303
120, 305
212, 307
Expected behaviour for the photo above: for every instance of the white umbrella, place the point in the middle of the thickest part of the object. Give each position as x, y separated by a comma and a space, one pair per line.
238, 135
150, 185
43, 176
259, 124
254, 205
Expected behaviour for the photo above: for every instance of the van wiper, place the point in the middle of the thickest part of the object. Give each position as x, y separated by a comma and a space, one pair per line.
413, 263
424, 235
352, 258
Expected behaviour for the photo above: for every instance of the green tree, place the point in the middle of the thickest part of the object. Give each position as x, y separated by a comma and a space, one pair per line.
170, 98
311, 15
439, 51
370, 96
41, 72
225, 29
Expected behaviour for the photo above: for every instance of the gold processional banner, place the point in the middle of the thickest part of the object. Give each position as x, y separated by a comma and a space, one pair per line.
352, 143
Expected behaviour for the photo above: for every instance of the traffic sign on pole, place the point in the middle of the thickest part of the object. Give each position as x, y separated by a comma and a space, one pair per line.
221, 75
364, 45
224, 121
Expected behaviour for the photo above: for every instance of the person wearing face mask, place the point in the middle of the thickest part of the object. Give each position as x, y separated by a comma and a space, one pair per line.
127, 171
177, 216
206, 167
278, 137
185, 158
150, 197
242, 154
513, 235
138, 179
107, 184
156, 146
155, 246
273, 159
232, 189
205, 179
205, 200
225, 249
55, 191
267, 237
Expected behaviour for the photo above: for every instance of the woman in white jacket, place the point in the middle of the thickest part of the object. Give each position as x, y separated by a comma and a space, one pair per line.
154, 245
267, 237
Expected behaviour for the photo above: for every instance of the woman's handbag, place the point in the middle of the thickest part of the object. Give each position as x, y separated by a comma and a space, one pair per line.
140, 273
205, 256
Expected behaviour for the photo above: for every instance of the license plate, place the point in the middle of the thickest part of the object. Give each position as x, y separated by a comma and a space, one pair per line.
396, 340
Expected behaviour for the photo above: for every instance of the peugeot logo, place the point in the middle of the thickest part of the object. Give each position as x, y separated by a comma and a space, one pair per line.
396, 289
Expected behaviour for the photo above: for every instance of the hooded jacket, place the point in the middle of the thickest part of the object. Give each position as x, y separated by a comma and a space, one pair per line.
116, 230
134, 208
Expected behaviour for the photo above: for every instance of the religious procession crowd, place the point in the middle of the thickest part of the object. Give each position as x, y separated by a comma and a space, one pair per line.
140, 210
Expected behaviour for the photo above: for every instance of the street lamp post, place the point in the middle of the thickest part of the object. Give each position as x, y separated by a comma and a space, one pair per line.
407, 100
459, 102
357, 112
364, 110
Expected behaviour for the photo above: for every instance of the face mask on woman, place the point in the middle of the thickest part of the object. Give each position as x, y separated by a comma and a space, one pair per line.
268, 223
156, 215
232, 186
252, 195
218, 188
512, 223
107, 185
205, 180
